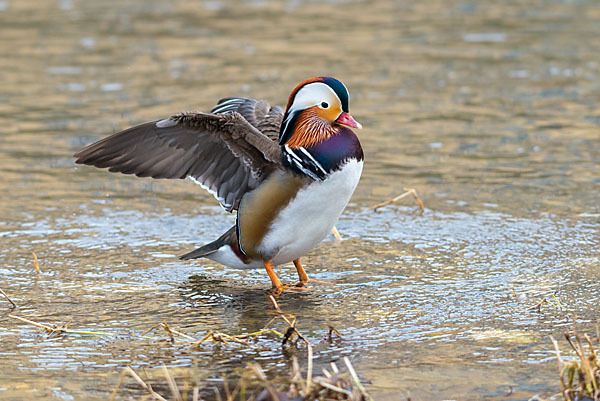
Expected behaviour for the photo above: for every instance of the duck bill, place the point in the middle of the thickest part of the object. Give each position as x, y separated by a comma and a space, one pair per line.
347, 120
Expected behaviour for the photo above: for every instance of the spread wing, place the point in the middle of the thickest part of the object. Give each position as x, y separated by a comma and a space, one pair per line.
225, 153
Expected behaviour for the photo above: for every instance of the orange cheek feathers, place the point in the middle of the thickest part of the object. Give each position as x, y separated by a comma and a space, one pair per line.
329, 114
312, 127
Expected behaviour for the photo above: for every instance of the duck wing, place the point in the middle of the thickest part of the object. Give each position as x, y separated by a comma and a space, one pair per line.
266, 118
224, 153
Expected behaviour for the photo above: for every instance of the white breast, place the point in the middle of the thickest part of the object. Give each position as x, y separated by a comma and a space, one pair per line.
311, 215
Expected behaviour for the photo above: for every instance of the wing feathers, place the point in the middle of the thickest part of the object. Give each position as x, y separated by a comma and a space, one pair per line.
226, 152
258, 113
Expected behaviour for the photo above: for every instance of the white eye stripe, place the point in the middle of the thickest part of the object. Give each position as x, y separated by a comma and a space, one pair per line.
314, 94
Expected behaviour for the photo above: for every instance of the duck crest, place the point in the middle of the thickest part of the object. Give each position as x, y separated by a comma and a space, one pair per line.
323, 158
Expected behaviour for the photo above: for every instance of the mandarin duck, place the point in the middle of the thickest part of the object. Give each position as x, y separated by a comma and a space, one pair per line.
288, 175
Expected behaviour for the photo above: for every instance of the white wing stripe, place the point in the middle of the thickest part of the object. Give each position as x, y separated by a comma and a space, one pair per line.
306, 171
227, 105
313, 160
310, 166
288, 150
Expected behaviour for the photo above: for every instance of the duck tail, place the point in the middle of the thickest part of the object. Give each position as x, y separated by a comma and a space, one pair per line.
211, 248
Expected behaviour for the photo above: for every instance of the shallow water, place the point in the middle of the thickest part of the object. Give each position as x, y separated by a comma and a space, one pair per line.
490, 110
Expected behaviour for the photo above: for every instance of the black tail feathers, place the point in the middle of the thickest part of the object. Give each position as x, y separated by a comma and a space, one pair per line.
213, 247
199, 253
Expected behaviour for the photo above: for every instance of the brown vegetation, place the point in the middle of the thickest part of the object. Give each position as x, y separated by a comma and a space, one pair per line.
580, 377
253, 385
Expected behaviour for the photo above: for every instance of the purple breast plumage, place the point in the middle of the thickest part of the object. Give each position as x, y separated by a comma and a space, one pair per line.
324, 158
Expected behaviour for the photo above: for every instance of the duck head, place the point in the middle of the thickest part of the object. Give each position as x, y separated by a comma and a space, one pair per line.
317, 109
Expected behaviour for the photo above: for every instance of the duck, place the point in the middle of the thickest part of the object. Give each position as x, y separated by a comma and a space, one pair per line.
287, 174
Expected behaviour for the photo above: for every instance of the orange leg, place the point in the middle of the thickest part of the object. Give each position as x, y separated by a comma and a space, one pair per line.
274, 280
301, 273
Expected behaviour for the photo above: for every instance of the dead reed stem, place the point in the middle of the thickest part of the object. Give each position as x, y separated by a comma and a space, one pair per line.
171, 332
309, 369
141, 382
60, 329
14, 305
355, 377
172, 384
113, 396
291, 324
545, 300
409, 191
260, 375
35, 262
332, 330
216, 336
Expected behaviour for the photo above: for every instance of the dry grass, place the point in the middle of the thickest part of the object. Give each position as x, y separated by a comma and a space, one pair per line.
580, 377
242, 339
35, 263
409, 191
62, 329
336, 233
538, 307
254, 384
14, 305
211, 337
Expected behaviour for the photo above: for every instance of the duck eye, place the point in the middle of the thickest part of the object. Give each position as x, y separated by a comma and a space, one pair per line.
324, 105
